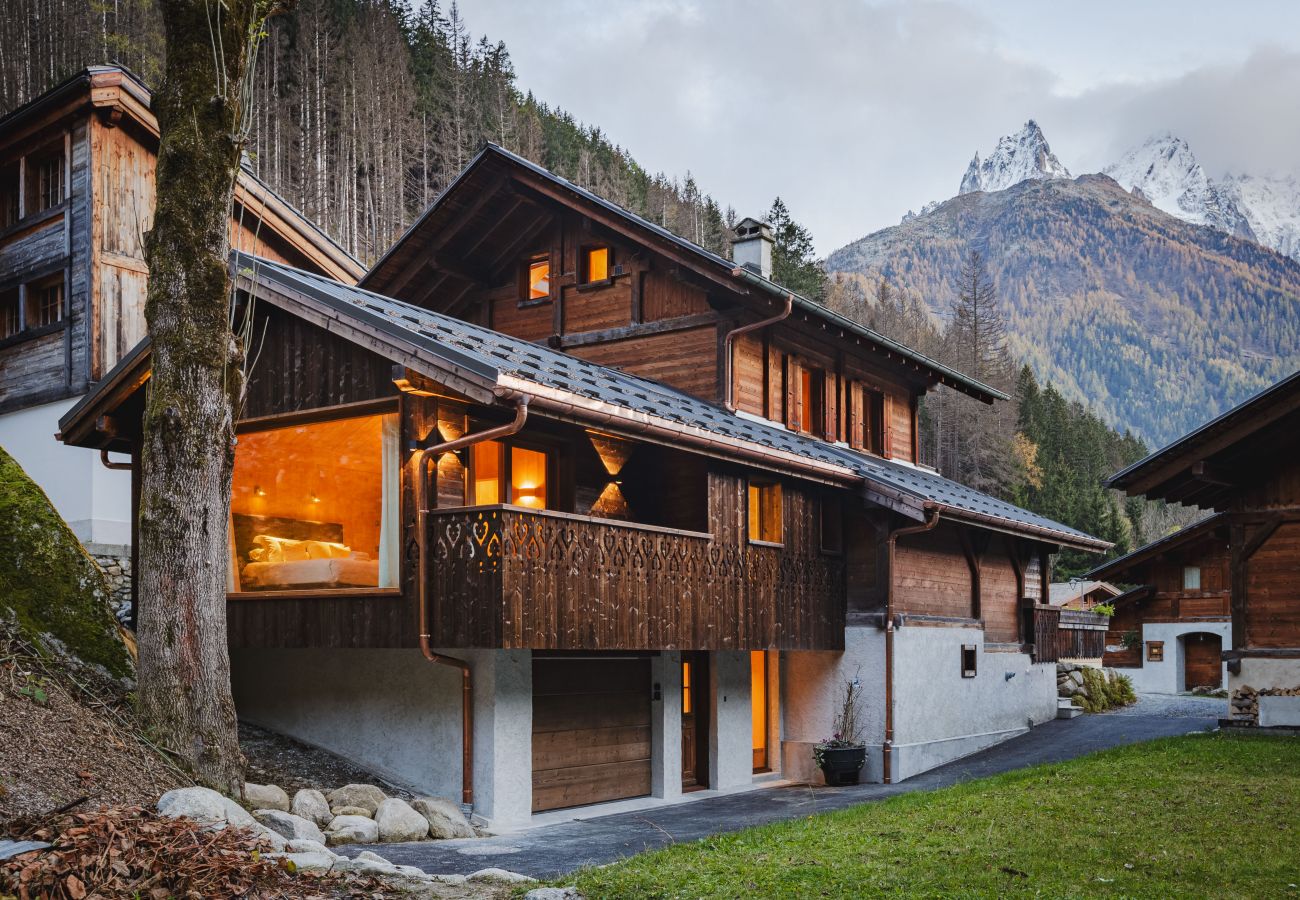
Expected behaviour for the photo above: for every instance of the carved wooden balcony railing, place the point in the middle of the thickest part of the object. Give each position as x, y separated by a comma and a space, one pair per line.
508, 577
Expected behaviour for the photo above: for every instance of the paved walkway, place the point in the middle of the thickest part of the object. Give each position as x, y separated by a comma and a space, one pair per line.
552, 851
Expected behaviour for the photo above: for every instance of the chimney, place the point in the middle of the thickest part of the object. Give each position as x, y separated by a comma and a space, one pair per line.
752, 246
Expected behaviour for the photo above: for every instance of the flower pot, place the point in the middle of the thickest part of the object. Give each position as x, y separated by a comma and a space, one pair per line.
842, 765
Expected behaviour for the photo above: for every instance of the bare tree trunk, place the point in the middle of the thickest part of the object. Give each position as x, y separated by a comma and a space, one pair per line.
189, 439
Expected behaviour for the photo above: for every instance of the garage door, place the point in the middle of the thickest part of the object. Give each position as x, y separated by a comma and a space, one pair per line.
591, 730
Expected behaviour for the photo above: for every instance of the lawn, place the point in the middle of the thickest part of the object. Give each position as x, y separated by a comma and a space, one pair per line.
1201, 815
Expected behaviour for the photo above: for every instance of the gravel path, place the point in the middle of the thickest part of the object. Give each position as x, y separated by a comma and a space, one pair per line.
1175, 706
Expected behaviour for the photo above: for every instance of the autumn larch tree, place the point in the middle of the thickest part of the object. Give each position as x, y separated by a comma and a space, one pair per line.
188, 445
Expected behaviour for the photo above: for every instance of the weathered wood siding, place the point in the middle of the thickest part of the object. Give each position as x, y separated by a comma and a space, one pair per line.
684, 359
999, 602
1272, 615
931, 575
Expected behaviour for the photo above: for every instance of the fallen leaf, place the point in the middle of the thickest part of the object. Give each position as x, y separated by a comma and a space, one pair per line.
76, 890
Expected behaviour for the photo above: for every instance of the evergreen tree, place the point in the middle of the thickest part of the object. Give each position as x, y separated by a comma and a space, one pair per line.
794, 262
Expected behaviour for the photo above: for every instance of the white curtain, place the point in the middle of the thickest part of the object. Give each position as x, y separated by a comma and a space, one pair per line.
389, 523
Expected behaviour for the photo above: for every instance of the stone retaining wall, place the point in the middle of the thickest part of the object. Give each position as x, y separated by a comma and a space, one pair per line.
115, 562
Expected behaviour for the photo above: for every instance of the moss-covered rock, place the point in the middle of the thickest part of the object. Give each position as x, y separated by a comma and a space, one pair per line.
49, 582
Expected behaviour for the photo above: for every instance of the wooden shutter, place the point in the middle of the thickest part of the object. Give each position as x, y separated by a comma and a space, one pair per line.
793, 404
886, 429
830, 409
854, 400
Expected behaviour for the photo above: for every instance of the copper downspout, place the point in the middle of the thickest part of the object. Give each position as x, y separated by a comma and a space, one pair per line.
109, 464
887, 750
729, 388
422, 581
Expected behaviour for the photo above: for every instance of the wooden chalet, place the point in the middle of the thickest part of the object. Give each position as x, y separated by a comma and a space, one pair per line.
76, 198
1171, 627
529, 465
1244, 466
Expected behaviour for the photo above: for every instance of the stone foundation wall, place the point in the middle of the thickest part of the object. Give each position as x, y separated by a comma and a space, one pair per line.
1244, 708
115, 562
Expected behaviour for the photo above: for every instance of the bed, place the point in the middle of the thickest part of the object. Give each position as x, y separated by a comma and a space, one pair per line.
286, 554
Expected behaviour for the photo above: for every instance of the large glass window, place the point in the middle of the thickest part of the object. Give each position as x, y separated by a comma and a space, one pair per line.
315, 506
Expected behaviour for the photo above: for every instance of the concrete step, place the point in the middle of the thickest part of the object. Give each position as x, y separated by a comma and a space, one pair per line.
1065, 709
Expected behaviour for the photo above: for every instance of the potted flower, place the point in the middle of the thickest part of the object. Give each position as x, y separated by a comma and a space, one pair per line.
842, 756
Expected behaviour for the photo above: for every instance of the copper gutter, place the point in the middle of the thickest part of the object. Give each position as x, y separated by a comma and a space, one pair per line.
109, 464
422, 581
729, 388
887, 749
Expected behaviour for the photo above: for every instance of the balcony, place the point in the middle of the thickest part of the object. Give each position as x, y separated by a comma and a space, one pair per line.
508, 577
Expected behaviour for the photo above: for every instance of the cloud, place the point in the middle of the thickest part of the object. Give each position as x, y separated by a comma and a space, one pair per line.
856, 112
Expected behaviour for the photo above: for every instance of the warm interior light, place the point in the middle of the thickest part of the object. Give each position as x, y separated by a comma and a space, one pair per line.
528, 477
539, 279
598, 264
257, 491
315, 498
485, 461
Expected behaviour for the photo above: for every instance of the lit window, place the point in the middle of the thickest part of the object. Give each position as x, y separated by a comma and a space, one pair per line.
539, 279
758, 707
314, 507
491, 469
485, 473
595, 264
686, 689
10, 317
45, 303
528, 478
765, 512
1192, 578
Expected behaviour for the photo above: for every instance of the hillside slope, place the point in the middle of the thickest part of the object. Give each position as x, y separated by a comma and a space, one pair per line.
1156, 323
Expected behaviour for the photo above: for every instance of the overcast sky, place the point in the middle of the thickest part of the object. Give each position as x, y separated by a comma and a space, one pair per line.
855, 112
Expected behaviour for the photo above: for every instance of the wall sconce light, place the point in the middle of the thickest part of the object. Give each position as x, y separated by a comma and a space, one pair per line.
258, 491
315, 498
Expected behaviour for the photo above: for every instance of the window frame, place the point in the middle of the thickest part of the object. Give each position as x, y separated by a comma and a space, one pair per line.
969, 660
35, 302
1187, 571
11, 305
584, 265
37, 165
11, 208
526, 280
358, 410
505, 474
1155, 651
812, 401
764, 537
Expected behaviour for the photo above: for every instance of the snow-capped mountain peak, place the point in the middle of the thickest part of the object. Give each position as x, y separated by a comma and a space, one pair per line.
1017, 157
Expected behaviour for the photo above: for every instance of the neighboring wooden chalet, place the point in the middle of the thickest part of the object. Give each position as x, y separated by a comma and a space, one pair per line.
1244, 465
76, 198
1170, 629
1081, 594
636, 589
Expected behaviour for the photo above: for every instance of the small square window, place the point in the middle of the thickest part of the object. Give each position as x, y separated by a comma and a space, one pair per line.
1192, 578
1155, 651
765, 512
595, 264
45, 303
10, 315
969, 657
538, 279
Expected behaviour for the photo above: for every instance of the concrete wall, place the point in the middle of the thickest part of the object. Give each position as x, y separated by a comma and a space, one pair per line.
940, 716
811, 686
731, 747
398, 715
93, 500
1168, 675
1262, 674
666, 726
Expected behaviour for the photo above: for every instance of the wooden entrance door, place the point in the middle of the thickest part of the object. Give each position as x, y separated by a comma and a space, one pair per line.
1202, 664
591, 730
695, 721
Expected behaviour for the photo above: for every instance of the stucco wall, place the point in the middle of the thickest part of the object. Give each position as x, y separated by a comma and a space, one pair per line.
666, 726
395, 713
1262, 674
731, 747
1168, 675
940, 716
93, 500
811, 684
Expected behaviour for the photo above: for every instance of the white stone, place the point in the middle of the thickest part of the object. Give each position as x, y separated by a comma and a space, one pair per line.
266, 796
498, 876
201, 804
351, 830
372, 856
311, 805
398, 822
309, 861
290, 826
366, 796
304, 846
554, 893
444, 817
238, 816
350, 811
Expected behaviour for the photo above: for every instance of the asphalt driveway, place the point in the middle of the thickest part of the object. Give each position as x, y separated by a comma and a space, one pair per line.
551, 851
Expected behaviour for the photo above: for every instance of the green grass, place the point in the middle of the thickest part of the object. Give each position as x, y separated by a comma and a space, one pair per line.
1195, 816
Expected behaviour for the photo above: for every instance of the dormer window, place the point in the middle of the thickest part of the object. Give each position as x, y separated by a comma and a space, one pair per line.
537, 279
595, 264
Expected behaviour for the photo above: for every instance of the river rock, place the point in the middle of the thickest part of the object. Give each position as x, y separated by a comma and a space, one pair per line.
292, 827
311, 805
498, 876
266, 796
398, 822
444, 817
351, 830
366, 796
201, 804
350, 811
554, 893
